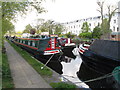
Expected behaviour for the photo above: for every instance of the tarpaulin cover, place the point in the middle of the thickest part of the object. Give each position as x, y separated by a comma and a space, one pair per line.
106, 48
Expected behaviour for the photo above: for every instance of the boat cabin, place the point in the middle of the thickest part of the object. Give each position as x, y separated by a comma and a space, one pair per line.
46, 46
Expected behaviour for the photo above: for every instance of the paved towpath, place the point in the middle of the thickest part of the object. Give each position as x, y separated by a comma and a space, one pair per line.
24, 76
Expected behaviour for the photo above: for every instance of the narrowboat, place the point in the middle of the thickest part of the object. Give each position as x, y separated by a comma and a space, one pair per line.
39, 46
67, 46
43, 49
99, 59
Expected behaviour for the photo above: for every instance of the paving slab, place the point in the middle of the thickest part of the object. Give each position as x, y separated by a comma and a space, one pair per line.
24, 76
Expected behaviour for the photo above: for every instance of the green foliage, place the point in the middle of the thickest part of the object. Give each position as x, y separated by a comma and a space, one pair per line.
32, 61
58, 29
70, 35
27, 29
85, 31
47, 27
52, 28
76, 40
85, 27
105, 26
10, 9
97, 32
7, 26
63, 86
86, 35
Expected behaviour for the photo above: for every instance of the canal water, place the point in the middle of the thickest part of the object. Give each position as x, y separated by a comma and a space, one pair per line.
70, 68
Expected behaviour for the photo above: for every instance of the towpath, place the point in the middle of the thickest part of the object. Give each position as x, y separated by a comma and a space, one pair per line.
24, 76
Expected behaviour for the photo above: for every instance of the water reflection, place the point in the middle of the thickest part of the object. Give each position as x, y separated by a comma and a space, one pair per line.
70, 67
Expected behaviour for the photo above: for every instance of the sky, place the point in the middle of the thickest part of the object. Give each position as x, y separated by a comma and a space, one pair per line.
62, 11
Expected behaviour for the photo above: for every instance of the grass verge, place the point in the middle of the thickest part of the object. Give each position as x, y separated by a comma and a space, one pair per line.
7, 81
32, 61
63, 85
45, 72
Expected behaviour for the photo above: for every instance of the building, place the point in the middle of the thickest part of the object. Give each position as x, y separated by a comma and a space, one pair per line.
75, 26
116, 35
119, 15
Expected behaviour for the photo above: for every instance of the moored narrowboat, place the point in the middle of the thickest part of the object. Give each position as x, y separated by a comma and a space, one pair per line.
43, 49
99, 59
39, 46
67, 46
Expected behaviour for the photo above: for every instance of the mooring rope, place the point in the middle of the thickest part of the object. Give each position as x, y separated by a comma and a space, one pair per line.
95, 79
59, 57
47, 61
100, 78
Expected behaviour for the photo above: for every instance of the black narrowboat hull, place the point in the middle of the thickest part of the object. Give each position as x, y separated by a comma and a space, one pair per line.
53, 64
100, 59
67, 51
99, 63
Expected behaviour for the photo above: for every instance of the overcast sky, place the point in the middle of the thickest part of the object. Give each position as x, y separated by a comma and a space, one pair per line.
63, 11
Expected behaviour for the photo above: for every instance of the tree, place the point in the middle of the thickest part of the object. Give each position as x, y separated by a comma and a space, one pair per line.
101, 8
69, 35
96, 32
51, 27
111, 10
58, 29
10, 9
105, 26
86, 35
27, 29
7, 26
47, 27
85, 27
85, 31
37, 25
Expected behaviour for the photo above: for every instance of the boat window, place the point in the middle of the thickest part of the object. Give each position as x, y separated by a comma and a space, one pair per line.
29, 43
20, 41
33, 43
36, 43
16, 40
23, 41
26, 42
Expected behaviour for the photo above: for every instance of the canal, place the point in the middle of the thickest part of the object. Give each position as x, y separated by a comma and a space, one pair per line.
70, 68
